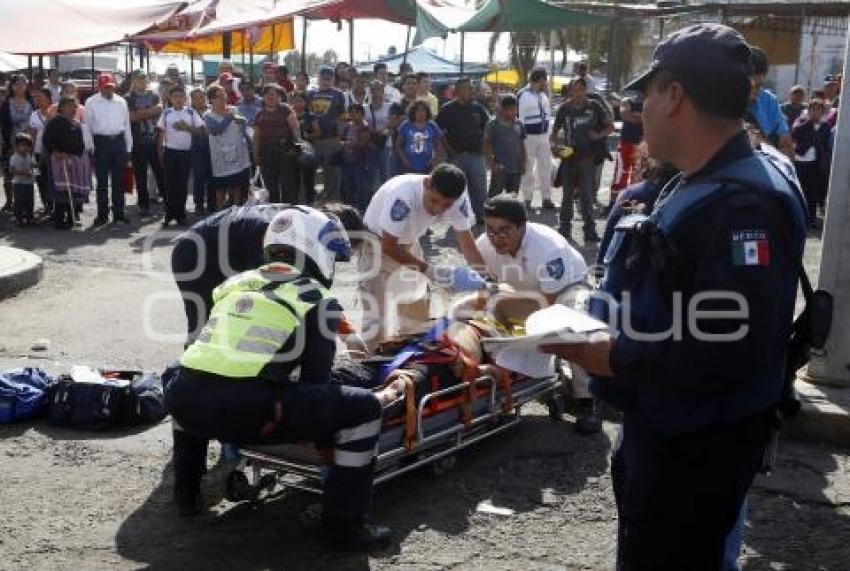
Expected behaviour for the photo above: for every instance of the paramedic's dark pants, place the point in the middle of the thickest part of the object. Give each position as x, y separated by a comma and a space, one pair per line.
144, 155
110, 156
679, 497
347, 418
196, 278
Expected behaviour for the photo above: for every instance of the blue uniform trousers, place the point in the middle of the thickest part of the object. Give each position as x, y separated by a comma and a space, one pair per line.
678, 497
239, 410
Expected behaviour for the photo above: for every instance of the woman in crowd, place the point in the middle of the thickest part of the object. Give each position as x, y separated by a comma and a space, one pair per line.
276, 131
420, 140
306, 174
70, 169
811, 137
229, 153
14, 119
38, 120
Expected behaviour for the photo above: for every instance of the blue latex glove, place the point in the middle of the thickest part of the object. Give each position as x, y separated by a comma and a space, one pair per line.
466, 279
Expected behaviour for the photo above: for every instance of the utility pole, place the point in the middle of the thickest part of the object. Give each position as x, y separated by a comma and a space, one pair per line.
832, 365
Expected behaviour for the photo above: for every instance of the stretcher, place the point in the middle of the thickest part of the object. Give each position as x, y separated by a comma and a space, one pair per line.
427, 433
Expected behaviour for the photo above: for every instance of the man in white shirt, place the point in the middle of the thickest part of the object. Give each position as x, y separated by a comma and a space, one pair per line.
358, 93
109, 121
534, 112
391, 94
539, 263
394, 274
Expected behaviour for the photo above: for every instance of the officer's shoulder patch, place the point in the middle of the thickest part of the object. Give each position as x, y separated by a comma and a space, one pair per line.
464, 208
750, 248
399, 211
555, 268
244, 304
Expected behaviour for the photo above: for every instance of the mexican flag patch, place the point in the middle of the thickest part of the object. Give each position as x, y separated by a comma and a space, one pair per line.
750, 248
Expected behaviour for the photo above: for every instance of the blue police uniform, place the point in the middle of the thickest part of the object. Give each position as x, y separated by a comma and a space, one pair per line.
697, 412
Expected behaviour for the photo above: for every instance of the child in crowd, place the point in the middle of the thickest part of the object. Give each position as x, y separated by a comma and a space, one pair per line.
504, 148
419, 142
356, 146
176, 127
396, 118
201, 167
20, 167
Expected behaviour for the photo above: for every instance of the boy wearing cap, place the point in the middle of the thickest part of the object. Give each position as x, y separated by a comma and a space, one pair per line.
702, 296
108, 120
327, 104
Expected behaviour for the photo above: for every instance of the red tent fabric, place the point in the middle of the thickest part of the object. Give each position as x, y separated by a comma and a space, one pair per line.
62, 26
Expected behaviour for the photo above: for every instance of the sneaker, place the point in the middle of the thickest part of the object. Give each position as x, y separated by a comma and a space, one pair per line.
100, 221
548, 204
188, 502
588, 420
355, 536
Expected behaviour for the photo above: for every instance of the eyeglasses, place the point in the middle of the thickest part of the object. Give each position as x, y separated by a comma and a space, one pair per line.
500, 232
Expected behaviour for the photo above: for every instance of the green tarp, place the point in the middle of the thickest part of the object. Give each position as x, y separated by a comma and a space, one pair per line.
526, 16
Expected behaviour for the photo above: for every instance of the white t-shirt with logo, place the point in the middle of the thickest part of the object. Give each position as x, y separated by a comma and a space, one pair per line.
398, 209
174, 139
545, 261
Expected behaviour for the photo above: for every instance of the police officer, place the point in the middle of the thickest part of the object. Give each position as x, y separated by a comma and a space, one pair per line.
225, 244
236, 382
704, 292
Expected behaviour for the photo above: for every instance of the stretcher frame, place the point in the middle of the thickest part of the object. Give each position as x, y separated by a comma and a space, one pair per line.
260, 470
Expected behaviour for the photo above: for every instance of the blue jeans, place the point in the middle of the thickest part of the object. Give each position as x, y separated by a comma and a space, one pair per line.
355, 184
380, 167
472, 165
201, 173
734, 541
110, 156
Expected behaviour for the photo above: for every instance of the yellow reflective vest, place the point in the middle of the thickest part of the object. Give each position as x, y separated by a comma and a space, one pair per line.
253, 316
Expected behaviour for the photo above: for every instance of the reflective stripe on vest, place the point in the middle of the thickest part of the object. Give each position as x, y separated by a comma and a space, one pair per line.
252, 319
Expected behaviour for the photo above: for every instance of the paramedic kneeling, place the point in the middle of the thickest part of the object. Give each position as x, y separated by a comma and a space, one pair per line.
392, 266
703, 292
236, 382
535, 260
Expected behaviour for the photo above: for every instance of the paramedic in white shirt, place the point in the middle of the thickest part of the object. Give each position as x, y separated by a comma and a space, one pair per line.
109, 123
392, 268
534, 112
536, 260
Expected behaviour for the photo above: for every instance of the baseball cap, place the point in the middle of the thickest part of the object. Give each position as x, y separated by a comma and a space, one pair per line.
225, 76
698, 49
105, 80
326, 71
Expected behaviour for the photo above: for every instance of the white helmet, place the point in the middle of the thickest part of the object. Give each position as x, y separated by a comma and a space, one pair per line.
315, 234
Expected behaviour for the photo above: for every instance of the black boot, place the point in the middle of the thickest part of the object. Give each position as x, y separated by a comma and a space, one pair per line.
588, 420
355, 535
188, 501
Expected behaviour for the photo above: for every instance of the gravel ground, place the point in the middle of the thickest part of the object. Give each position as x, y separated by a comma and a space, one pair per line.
96, 501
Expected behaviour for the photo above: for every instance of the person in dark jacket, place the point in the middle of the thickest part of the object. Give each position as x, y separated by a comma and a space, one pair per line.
811, 138
15, 113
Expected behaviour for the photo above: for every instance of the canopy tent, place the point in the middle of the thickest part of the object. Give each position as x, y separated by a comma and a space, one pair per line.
526, 16
423, 59
262, 26
432, 18
62, 26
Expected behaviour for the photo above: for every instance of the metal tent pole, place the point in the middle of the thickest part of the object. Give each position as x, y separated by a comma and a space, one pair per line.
406, 46
351, 41
304, 47
462, 37
92, 71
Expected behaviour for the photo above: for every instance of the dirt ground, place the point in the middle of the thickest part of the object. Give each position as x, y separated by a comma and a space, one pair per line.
73, 500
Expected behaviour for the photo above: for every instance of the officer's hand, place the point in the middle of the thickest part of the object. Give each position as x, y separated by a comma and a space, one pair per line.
594, 356
466, 279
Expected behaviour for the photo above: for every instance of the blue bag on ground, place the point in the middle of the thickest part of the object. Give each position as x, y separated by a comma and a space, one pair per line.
23, 393
89, 406
147, 400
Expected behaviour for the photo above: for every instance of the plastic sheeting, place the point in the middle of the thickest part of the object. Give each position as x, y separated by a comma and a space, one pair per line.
63, 26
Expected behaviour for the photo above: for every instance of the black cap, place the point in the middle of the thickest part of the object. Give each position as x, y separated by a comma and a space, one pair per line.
701, 48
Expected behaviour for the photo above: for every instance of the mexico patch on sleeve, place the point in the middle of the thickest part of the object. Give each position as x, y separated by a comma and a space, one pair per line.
750, 248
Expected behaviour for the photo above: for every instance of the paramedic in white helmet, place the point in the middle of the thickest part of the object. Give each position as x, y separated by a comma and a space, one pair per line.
259, 373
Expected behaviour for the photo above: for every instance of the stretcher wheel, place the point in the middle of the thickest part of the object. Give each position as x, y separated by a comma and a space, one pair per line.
440, 467
267, 482
238, 489
557, 407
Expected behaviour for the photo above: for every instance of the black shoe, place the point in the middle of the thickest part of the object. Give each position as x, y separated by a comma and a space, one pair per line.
188, 502
592, 238
200, 211
355, 536
588, 420
7, 207
120, 220
548, 205
144, 211
528, 205
166, 221
100, 221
